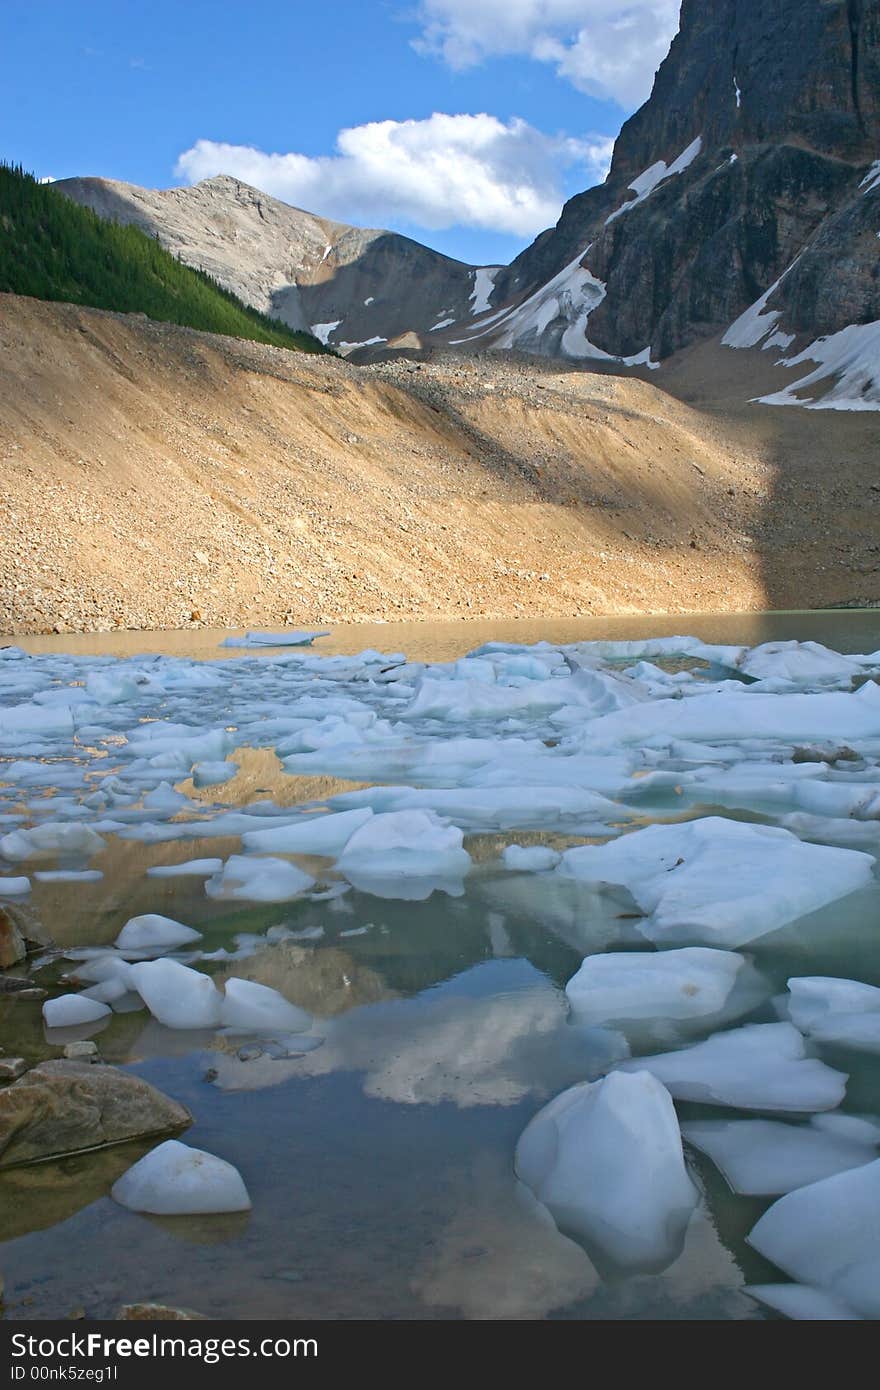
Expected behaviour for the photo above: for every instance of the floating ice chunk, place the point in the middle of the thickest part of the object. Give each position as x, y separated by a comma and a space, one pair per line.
813, 998
664, 995
762, 1066
606, 1160
766, 1157
801, 1302
731, 716
471, 698
530, 858
176, 995
153, 932
408, 844
719, 881
859, 1031
66, 1010
68, 875
213, 774
165, 798
51, 721
106, 689
14, 887
496, 808
807, 663
176, 1180
51, 838
841, 1012
107, 991
259, 880
191, 868
177, 745
257, 1008
105, 966
321, 834
274, 639
827, 1234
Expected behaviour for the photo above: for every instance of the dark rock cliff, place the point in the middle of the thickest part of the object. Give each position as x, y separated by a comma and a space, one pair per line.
784, 96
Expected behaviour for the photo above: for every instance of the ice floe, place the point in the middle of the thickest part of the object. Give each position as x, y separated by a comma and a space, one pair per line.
605, 1158
718, 881
830, 1010
176, 995
404, 844
264, 880
761, 1066
251, 1007
177, 1180
154, 933
289, 638
67, 1010
15, 886
51, 839
802, 1303
769, 1157
665, 995
827, 1236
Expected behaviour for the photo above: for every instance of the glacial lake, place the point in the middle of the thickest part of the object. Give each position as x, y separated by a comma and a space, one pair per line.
380, 1163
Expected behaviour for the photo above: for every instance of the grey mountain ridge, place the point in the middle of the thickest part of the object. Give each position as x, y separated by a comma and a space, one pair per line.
302, 269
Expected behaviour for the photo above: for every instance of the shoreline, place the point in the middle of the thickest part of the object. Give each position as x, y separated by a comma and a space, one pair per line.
446, 639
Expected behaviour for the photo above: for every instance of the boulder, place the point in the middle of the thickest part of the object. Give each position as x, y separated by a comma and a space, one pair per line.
65, 1107
157, 1312
12, 946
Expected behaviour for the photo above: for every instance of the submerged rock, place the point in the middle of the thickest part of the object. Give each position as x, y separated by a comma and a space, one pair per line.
20, 931
157, 1312
64, 1107
12, 947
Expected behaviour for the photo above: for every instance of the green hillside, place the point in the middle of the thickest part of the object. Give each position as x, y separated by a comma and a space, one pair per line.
50, 248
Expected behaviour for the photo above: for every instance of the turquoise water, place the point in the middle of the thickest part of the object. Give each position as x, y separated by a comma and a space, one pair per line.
380, 1165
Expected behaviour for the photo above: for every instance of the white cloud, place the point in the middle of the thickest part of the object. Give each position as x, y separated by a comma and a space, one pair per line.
607, 48
444, 171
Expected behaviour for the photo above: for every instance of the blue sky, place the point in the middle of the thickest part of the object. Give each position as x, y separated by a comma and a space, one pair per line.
164, 93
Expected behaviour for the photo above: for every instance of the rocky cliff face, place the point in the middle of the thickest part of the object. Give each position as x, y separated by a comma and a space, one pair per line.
343, 283
752, 157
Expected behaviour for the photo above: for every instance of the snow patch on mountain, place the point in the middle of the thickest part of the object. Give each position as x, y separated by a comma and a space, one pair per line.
484, 282
322, 331
658, 173
853, 356
872, 178
571, 296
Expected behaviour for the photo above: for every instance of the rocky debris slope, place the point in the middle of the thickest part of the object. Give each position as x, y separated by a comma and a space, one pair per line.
342, 283
225, 483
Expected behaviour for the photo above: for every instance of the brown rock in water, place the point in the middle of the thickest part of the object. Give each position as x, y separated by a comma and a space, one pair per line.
20, 930
154, 1312
12, 947
65, 1107
20, 987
